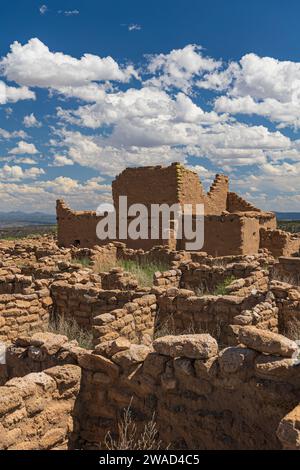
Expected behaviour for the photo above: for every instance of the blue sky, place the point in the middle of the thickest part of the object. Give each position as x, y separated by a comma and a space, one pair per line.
88, 88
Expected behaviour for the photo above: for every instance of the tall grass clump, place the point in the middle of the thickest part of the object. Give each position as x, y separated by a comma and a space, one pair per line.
70, 328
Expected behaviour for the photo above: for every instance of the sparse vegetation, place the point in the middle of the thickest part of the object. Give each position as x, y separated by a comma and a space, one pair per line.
292, 226
130, 439
85, 262
29, 231
221, 288
142, 271
70, 328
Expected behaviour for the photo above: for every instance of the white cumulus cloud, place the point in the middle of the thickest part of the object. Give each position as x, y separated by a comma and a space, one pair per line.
24, 148
31, 121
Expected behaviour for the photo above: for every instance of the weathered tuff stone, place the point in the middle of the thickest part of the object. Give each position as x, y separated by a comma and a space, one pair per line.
98, 363
135, 354
199, 346
288, 431
267, 342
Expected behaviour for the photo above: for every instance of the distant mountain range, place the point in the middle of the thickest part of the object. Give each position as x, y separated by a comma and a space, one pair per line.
18, 218
288, 215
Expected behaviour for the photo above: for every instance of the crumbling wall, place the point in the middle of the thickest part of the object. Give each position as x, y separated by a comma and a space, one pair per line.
230, 234
287, 298
39, 352
84, 302
76, 227
181, 311
36, 410
287, 269
279, 242
216, 198
206, 278
201, 398
134, 321
24, 313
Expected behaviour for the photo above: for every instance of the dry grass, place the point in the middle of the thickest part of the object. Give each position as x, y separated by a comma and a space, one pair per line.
142, 271
220, 288
130, 439
85, 262
71, 329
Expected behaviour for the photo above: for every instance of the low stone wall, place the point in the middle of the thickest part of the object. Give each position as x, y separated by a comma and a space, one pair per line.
205, 278
287, 299
117, 278
83, 302
36, 410
169, 278
24, 313
287, 269
181, 311
134, 321
200, 398
13, 282
279, 242
39, 352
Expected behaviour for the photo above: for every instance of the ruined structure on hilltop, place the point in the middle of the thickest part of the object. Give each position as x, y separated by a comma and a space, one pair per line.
232, 225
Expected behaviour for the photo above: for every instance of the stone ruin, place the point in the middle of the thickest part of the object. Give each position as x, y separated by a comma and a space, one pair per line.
211, 349
232, 225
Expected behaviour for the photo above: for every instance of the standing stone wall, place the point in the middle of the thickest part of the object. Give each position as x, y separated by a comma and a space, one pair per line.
36, 410
201, 398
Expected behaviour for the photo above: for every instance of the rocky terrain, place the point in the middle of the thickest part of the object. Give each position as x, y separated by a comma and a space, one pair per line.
209, 349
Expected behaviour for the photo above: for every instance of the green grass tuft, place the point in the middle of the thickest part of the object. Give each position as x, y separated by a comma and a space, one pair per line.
70, 328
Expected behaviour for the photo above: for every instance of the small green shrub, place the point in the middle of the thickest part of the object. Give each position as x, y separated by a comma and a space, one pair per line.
142, 271
85, 262
70, 328
221, 288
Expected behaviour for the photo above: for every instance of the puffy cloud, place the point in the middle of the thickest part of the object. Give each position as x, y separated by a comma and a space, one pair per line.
4, 134
31, 121
42, 194
259, 85
95, 152
24, 148
34, 65
16, 173
180, 67
11, 94
61, 160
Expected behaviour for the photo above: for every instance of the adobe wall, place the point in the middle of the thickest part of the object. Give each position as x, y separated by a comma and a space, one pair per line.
181, 311
231, 222
84, 302
279, 242
216, 198
26, 311
287, 298
76, 227
36, 410
134, 321
205, 278
287, 269
230, 234
38, 352
201, 398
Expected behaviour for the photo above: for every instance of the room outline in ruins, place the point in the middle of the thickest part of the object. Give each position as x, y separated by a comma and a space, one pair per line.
209, 347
